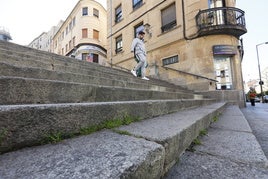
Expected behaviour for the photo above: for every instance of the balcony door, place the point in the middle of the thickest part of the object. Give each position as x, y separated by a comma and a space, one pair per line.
216, 3
217, 15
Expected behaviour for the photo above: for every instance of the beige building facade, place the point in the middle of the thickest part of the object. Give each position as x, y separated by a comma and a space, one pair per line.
193, 43
44, 40
83, 34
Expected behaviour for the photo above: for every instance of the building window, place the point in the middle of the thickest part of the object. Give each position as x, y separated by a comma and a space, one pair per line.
70, 26
66, 47
56, 43
168, 17
84, 56
85, 11
95, 34
90, 57
118, 13
215, 3
74, 41
138, 28
170, 60
66, 30
62, 36
136, 3
84, 33
70, 44
95, 57
96, 13
73, 21
118, 44
62, 51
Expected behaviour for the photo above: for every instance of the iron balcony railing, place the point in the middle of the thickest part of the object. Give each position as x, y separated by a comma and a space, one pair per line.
221, 20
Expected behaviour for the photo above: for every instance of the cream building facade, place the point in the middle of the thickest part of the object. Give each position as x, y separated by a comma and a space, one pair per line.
44, 40
194, 43
83, 35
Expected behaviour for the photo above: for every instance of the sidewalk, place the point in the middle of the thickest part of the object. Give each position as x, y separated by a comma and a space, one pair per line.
230, 150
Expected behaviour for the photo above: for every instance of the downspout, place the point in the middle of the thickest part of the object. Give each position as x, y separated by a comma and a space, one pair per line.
184, 25
111, 43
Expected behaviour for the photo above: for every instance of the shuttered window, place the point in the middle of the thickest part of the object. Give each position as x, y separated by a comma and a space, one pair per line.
96, 12
84, 33
168, 17
95, 34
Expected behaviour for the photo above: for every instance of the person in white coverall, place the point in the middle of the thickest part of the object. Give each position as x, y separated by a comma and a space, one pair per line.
139, 50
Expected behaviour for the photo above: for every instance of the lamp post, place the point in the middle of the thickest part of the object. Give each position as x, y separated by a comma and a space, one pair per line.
260, 82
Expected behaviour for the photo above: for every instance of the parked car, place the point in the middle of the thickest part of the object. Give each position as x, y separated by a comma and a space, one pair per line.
265, 98
257, 100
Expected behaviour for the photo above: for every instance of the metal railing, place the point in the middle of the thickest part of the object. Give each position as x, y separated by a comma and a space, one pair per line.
191, 74
223, 17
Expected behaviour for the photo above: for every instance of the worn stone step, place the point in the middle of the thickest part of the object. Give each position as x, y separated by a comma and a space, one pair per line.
17, 90
148, 150
26, 72
24, 60
176, 131
122, 76
52, 61
103, 155
27, 125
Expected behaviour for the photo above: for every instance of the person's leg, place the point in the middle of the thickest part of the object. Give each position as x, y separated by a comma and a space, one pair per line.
141, 63
143, 58
252, 102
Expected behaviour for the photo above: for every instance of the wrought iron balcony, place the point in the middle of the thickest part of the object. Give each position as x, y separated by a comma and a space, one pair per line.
221, 20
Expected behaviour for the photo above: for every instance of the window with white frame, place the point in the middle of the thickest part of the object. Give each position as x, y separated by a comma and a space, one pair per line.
118, 13
136, 3
138, 28
85, 11
118, 44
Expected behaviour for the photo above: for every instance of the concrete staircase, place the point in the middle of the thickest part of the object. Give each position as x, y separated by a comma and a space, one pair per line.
45, 95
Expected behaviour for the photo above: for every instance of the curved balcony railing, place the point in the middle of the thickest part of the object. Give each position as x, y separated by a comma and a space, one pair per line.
221, 20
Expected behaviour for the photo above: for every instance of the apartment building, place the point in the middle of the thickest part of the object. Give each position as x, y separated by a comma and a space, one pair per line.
83, 35
4, 34
194, 42
44, 40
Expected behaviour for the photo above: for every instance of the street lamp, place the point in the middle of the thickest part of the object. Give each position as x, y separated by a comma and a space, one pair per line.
260, 82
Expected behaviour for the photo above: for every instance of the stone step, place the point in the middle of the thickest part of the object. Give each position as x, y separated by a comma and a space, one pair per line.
17, 90
26, 72
14, 62
27, 125
47, 63
21, 56
145, 149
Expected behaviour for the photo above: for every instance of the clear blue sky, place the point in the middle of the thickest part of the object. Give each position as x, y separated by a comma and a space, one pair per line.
256, 14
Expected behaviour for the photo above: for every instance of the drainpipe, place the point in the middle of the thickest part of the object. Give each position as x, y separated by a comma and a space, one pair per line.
184, 25
111, 43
